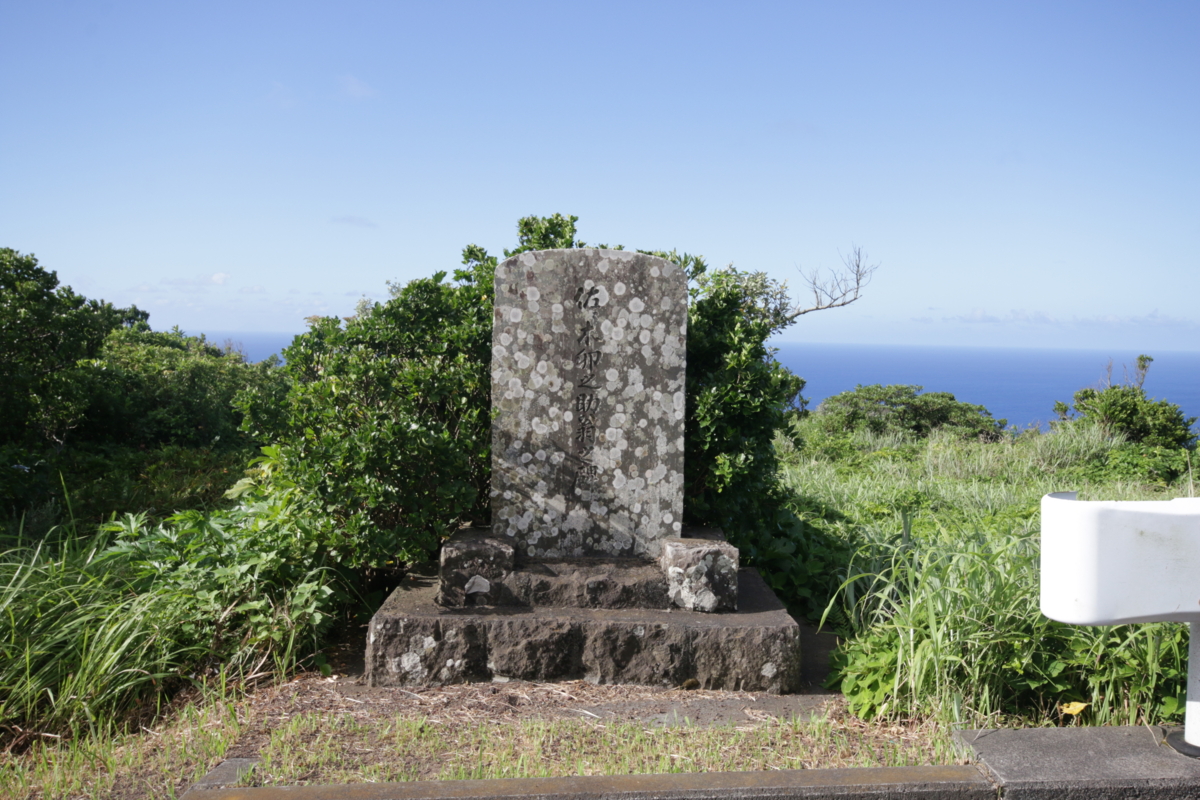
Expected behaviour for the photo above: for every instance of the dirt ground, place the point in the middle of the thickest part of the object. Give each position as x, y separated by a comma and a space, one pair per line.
345, 691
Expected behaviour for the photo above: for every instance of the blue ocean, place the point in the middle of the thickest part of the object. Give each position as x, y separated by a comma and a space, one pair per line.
1016, 384
256, 345
1019, 385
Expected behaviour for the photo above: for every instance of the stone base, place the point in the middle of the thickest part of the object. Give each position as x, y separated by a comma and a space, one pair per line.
583, 583
697, 572
413, 641
477, 570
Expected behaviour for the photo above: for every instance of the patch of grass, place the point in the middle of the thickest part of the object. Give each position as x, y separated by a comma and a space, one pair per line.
320, 748
101, 628
939, 603
160, 761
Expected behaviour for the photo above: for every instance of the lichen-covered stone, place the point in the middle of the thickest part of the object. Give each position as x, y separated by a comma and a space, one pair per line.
702, 574
414, 642
588, 357
477, 569
472, 568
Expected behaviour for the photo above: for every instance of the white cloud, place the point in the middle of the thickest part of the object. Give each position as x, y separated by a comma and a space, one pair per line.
1022, 316
257, 288
219, 278
353, 87
977, 315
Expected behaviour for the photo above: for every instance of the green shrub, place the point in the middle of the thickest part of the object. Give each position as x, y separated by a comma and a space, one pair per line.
386, 425
739, 400
44, 330
1138, 463
738, 397
149, 389
1125, 410
904, 409
91, 398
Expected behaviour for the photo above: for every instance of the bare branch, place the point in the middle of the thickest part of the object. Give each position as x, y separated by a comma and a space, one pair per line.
840, 288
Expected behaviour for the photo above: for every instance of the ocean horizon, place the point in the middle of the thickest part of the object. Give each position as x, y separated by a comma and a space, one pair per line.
1016, 384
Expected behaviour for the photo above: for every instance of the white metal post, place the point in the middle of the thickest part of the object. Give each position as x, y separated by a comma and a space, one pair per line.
1191, 714
1142, 557
1188, 742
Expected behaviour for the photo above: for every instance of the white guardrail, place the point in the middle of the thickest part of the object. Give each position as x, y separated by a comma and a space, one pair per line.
1118, 562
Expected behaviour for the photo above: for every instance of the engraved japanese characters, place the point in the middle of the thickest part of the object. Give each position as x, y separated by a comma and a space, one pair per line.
588, 357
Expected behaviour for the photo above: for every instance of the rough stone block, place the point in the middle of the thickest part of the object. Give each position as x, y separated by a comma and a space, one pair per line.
589, 583
473, 567
520, 646
415, 642
702, 574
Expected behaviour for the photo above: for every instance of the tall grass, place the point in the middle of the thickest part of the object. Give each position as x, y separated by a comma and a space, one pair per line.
76, 642
940, 598
99, 628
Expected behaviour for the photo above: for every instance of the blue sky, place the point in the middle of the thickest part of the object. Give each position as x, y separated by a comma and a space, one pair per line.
1025, 173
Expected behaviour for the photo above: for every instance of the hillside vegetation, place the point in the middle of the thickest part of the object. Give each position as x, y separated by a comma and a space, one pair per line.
174, 516
933, 544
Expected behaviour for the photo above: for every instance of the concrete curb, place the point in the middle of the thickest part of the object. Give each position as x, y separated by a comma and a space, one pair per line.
227, 773
927, 783
1119, 763
1093, 763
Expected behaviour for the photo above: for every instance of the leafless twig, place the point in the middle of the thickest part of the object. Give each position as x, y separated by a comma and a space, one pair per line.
840, 288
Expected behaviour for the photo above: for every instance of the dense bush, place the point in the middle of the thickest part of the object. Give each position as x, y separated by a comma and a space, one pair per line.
148, 389
387, 423
1125, 410
44, 330
905, 409
91, 398
739, 399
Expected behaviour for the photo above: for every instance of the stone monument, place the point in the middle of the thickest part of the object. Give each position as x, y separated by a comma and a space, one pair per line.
588, 358
587, 570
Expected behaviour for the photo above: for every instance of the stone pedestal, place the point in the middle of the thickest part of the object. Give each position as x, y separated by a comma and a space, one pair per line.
491, 615
415, 642
696, 572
